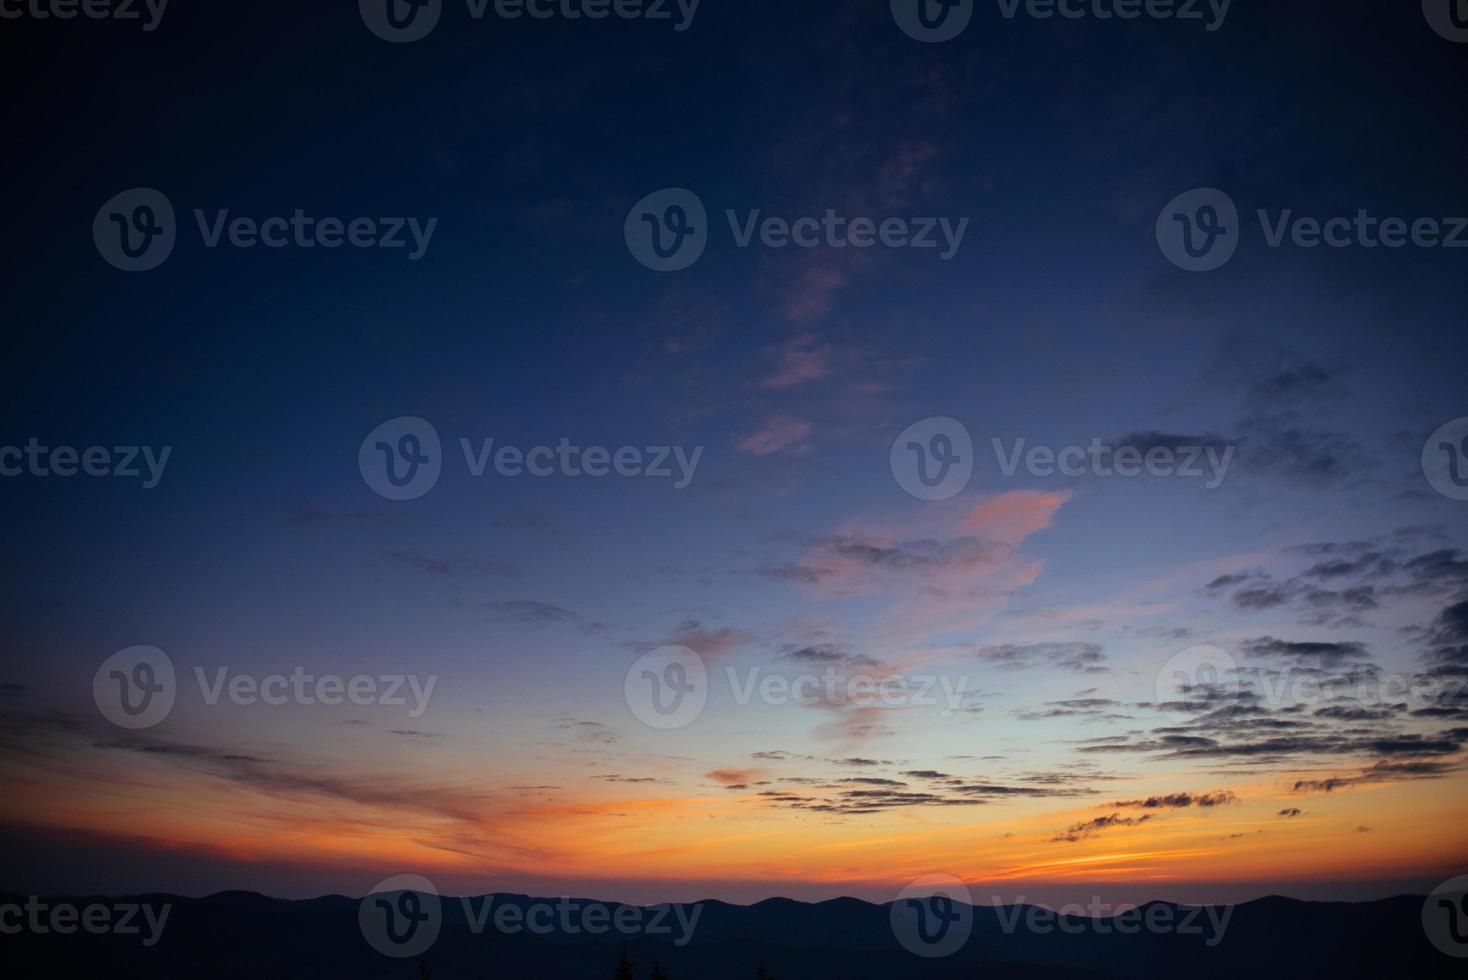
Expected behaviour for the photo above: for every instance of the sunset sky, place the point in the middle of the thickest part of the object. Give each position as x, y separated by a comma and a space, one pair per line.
1324, 563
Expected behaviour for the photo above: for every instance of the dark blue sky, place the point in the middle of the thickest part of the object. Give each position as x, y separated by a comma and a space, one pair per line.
527, 319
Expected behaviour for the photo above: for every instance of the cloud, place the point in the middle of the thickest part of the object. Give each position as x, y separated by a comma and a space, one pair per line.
1087, 828
830, 654
952, 570
448, 566
589, 732
779, 433
1302, 381
707, 642
1078, 658
1177, 801
530, 612
734, 778
800, 360
1015, 515
1381, 772
1311, 654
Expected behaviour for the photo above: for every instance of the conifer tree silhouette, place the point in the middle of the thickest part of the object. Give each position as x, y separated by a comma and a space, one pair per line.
763, 974
657, 973
624, 967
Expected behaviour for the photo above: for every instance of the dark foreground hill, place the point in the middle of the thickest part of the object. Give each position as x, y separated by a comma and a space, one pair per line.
242, 935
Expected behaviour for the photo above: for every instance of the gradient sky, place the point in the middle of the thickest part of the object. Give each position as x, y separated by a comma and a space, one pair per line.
1056, 601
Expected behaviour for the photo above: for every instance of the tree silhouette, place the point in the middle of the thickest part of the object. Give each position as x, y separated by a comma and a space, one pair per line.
657, 973
624, 967
763, 974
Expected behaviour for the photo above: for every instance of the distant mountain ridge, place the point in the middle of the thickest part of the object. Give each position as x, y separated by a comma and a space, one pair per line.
244, 934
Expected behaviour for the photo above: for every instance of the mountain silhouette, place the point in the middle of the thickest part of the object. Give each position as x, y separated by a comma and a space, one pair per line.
244, 935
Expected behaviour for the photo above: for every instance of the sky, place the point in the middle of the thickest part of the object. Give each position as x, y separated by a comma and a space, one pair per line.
1193, 687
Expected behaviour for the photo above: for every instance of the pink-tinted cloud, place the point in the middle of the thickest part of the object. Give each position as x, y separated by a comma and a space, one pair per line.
813, 292
734, 777
802, 359
955, 571
903, 169
1015, 515
778, 433
708, 643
